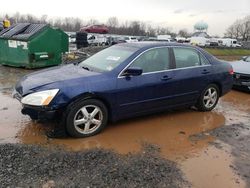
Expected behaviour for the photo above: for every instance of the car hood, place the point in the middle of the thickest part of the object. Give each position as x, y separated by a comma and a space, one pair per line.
242, 67
32, 82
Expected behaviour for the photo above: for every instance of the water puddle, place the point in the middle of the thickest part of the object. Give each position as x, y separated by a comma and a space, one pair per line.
210, 168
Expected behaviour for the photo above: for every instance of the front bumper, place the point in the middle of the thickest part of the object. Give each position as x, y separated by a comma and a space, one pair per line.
39, 113
241, 81
36, 112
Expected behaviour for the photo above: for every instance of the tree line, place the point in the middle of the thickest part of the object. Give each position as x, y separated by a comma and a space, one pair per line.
136, 28
240, 29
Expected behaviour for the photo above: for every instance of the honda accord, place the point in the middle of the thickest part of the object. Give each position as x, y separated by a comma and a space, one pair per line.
123, 81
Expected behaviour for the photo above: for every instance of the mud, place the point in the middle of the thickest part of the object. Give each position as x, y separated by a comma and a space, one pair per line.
185, 136
240, 146
89, 168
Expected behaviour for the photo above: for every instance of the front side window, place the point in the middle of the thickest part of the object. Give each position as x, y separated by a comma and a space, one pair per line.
153, 60
186, 57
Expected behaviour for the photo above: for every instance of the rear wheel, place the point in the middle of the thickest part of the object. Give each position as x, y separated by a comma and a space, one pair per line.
209, 98
86, 118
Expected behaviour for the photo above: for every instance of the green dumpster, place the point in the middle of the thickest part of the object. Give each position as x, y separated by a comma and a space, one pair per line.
32, 45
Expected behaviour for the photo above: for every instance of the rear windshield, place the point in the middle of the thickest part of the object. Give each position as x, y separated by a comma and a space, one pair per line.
108, 59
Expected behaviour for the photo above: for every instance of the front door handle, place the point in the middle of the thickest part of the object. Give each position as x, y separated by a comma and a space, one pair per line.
165, 78
205, 71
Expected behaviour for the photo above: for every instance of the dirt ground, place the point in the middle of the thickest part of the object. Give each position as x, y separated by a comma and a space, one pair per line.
207, 150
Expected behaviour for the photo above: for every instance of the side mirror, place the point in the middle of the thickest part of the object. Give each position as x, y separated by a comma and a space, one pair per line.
244, 58
132, 71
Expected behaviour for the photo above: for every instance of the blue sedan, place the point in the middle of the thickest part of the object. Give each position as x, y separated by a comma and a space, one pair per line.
125, 80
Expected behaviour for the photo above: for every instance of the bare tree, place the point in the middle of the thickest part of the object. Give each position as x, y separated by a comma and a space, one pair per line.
150, 31
113, 22
43, 19
184, 33
245, 28
162, 31
74, 24
93, 22
240, 29
234, 31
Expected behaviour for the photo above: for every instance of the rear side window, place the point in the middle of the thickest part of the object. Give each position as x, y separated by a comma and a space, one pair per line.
204, 61
185, 57
153, 60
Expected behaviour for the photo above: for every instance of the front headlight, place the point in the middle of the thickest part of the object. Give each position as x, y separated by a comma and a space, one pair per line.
41, 98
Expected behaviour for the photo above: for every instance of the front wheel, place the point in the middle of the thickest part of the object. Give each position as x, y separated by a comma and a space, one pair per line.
86, 118
208, 99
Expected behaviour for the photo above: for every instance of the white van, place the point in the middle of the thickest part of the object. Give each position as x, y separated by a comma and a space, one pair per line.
97, 40
228, 42
130, 39
199, 41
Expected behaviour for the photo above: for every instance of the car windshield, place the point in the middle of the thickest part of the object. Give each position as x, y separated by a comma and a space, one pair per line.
108, 59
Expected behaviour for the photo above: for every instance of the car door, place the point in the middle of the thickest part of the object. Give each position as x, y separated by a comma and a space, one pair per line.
143, 93
192, 74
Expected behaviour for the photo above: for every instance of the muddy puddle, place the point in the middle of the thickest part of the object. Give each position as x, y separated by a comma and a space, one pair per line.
173, 132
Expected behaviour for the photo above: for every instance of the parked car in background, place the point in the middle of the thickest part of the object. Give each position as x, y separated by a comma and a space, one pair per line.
117, 40
72, 37
97, 40
122, 81
242, 73
130, 39
200, 41
160, 40
228, 42
95, 29
164, 37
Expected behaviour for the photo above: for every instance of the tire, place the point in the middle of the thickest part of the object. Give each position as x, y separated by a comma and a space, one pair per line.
80, 120
209, 98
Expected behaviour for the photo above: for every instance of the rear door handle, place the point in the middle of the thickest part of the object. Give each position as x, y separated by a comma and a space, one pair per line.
165, 78
205, 71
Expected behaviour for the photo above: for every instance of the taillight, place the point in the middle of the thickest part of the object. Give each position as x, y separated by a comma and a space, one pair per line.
231, 71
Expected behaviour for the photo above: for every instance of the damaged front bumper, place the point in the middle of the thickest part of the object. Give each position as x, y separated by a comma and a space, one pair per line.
35, 112
39, 113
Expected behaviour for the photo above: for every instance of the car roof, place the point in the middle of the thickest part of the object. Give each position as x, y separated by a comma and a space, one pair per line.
153, 44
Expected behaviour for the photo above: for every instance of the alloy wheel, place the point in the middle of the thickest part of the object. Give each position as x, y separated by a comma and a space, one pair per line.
88, 119
210, 97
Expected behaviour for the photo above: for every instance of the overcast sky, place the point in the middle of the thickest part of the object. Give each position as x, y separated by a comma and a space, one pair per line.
177, 14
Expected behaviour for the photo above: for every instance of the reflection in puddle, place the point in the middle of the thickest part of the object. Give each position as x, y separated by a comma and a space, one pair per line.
170, 131
9, 76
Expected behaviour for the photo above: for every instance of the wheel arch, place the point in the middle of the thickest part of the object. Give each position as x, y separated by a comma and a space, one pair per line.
89, 95
219, 87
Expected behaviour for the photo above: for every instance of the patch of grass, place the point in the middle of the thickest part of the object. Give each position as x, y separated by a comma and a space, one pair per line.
228, 52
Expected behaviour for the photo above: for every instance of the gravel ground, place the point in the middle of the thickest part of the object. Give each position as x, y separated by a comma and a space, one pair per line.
238, 137
36, 166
